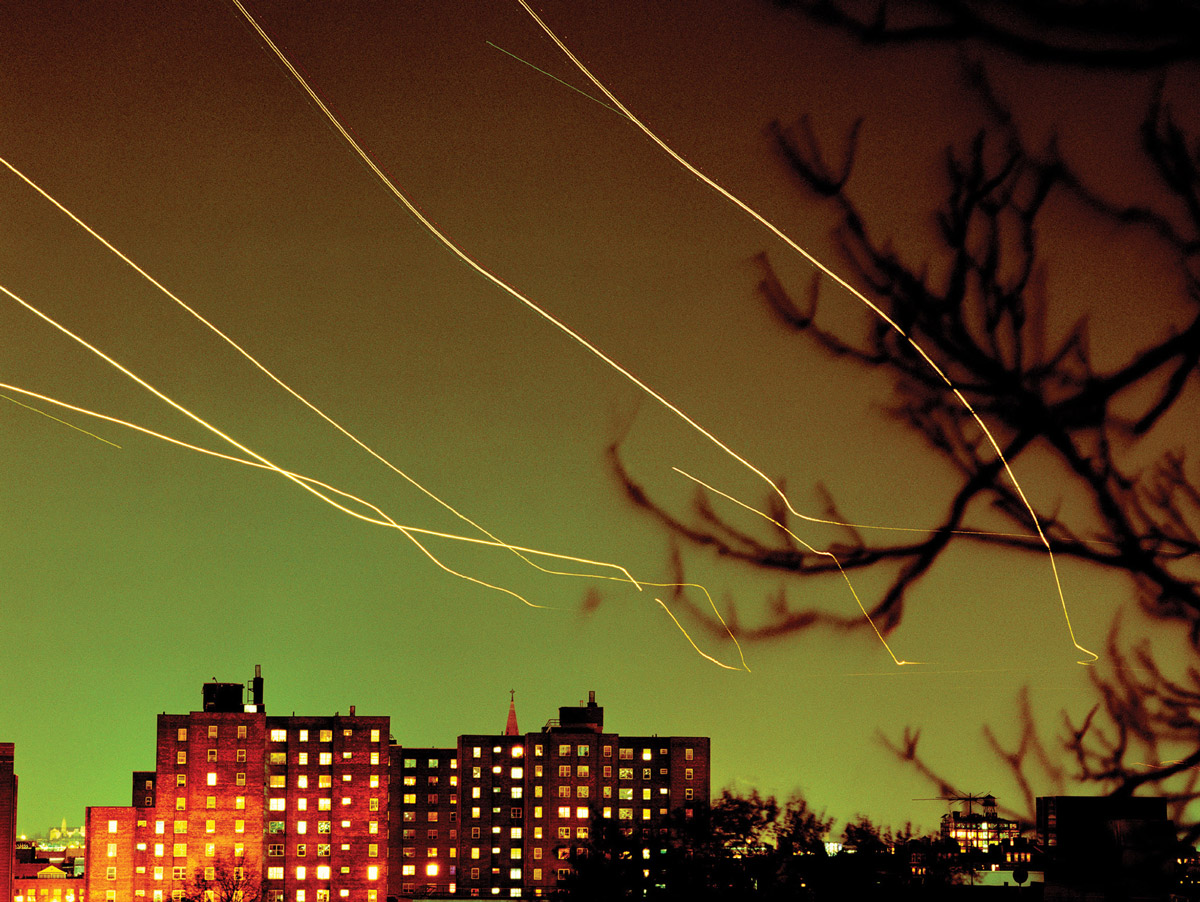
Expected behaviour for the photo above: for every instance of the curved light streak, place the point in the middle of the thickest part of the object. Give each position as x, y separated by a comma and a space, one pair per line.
258, 364
258, 457
384, 520
778, 233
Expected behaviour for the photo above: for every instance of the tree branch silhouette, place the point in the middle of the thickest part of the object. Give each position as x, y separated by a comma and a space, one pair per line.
979, 303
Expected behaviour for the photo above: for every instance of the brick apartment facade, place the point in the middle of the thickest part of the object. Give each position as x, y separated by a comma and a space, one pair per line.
294, 805
328, 809
514, 807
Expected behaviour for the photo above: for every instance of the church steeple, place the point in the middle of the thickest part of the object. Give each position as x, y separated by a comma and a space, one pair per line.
510, 728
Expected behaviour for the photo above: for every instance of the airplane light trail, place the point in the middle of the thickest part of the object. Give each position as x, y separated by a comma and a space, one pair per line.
520, 551
253, 360
828, 554
258, 457
384, 520
778, 233
56, 419
478, 267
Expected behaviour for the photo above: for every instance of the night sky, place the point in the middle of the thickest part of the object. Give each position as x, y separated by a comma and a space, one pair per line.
131, 575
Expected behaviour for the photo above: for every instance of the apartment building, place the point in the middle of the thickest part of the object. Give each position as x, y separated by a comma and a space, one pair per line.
292, 807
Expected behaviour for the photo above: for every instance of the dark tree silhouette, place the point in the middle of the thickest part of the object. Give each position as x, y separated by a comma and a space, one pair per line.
978, 303
226, 880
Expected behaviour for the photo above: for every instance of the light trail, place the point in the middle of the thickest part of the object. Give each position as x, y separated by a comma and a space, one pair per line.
479, 268
259, 365
778, 233
689, 638
384, 520
56, 419
258, 457
520, 551
828, 554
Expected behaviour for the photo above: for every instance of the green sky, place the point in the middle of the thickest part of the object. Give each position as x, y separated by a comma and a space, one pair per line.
129, 576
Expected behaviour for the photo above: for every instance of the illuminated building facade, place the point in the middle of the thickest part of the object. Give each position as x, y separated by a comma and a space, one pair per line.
293, 806
520, 805
979, 832
46, 874
8, 819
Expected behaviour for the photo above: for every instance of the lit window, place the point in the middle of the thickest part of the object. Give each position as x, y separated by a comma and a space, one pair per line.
564, 811
278, 781
346, 800
373, 827
179, 850
301, 826
279, 735
408, 870
279, 804
374, 781
210, 802
325, 759
302, 781
239, 802
210, 826
181, 757
275, 873
373, 871
301, 872
158, 849
323, 873
112, 826
239, 826
211, 779
326, 735
158, 873
372, 850
180, 826
324, 804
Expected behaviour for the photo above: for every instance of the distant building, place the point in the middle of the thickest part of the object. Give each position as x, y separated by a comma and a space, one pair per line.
47, 875
979, 831
8, 819
1101, 847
